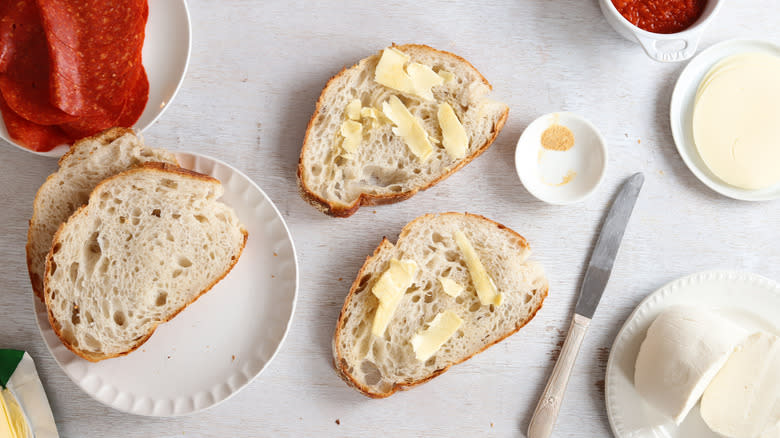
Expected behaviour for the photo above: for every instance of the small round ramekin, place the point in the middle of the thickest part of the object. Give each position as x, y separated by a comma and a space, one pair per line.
662, 47
580, 169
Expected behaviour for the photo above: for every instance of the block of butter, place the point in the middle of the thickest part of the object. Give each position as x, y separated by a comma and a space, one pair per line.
416, 78
389, 290
486, 288
24, 408
408, 128
454, 137
439, 331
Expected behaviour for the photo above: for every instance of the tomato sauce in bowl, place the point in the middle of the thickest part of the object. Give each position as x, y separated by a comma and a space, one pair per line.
661, 16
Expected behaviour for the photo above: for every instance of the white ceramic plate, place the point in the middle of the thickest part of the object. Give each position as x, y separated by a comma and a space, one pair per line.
681, 115
166, 54
221, 342
748, 299
543, 171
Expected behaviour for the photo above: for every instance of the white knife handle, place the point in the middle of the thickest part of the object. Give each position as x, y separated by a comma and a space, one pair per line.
546, 412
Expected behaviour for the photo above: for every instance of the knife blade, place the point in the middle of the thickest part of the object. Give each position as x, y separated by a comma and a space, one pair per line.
603, 258
596, 277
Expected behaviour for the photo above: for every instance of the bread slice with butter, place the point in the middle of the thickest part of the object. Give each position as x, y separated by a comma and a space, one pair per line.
395, 123
86, 163
149, 242
414, 309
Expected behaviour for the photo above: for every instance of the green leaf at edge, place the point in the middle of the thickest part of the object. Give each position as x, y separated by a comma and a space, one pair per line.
9, 359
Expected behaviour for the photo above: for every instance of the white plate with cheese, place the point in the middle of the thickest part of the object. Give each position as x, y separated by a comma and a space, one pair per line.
218, 344
748, 300
731, 164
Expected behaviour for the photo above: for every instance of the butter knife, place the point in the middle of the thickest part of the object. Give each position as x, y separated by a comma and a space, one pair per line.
596, 277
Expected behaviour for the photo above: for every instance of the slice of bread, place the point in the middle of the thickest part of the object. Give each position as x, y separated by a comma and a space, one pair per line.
380, 366
383, 170
88, 162
150, 241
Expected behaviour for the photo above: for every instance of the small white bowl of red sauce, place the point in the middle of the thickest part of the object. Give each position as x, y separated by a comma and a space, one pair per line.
667, 30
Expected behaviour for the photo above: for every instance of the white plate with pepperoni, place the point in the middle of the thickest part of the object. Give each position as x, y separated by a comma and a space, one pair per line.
164, 27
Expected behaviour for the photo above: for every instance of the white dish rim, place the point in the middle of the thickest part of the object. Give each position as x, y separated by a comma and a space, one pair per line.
60, 150
662, 294
602, 146
285, 334
687, 151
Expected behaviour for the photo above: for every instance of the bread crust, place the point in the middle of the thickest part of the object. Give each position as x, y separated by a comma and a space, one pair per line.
341, 368
108, 136
161, 167
339, 210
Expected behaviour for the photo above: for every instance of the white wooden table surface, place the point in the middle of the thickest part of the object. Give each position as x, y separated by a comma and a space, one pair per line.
255, 73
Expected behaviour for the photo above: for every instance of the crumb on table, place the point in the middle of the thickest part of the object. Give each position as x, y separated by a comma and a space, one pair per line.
600, 387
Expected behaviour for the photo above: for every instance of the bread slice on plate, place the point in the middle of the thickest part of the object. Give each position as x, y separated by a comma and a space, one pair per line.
86, 163
395, 123
453, 285
150, 241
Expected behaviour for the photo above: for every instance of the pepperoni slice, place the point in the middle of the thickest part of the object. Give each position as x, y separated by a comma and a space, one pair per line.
95, 48
6, 35
136, 101
131, 110
36, 137
70, 68
24, 57
89, 125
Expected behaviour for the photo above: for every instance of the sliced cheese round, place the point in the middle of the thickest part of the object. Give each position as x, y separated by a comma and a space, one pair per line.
682, 352
771, 431
743, 400
735, 116
723, 65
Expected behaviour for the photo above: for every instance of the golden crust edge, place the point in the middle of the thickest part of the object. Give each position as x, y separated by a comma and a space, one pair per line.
366, 199
96, 358
110, 134
341, 370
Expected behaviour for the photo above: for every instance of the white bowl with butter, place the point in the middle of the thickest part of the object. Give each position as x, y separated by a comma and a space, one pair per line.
718, 98
558, 169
